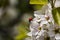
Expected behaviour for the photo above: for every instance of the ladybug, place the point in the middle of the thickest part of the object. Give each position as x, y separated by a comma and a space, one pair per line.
30, 19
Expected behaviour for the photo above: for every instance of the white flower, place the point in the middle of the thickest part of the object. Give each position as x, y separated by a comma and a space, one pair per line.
39, 22
34, 24
57, 3
34, 28
38, 18
41, 33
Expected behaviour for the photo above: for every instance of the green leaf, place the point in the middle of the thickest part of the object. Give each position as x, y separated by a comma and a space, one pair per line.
37, 6
56, 15
38, 2
22, 32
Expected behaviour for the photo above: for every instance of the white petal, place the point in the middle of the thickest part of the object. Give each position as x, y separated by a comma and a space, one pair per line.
35, 15
36, 33
37, 37
49, 6
51, 33
37, 19
41, 32
43, 22
34, 24
31, 29
57, 36
29, 34
57, 3
39, 12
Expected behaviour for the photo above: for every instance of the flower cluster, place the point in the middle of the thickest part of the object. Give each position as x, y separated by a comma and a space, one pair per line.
40, 25
43, 26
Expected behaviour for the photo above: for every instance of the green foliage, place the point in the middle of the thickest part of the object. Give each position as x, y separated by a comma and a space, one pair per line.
22, 32
37, 6
56, 15
4, 3
38, 2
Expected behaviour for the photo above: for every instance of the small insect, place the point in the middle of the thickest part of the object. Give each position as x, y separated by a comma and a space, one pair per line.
30, 19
